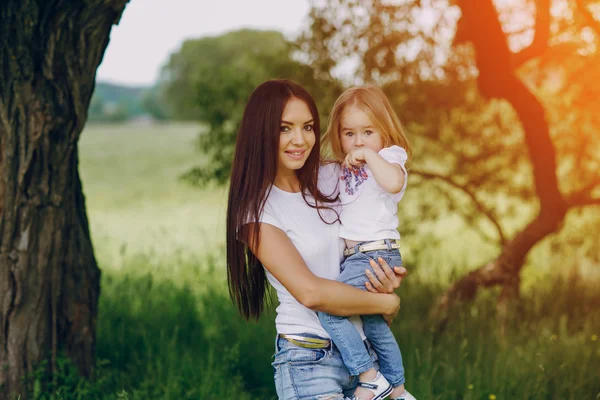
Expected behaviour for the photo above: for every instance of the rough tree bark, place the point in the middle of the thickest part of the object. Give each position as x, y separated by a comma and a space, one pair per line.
497, 79
49, 279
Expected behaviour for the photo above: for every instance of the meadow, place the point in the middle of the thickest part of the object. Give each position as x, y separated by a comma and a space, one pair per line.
167, 330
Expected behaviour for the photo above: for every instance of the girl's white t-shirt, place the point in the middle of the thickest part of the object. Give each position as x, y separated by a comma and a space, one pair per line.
318, 243
368, 211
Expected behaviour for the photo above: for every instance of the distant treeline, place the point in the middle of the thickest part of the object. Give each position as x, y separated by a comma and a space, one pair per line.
116, 103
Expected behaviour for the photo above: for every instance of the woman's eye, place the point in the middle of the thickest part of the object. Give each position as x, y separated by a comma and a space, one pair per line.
284, 128
308, 128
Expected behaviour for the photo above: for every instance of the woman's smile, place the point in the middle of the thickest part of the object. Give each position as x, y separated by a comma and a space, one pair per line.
296, 154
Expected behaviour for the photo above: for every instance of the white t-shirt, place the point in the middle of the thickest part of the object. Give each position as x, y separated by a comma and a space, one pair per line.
318, 243
368, 211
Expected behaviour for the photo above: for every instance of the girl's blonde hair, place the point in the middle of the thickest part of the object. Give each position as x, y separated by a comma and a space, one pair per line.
372, 101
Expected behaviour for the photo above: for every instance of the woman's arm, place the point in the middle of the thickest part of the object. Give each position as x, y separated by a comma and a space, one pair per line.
280, 257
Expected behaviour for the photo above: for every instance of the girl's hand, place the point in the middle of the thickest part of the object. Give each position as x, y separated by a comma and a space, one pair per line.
355, 158
385, 279
389, 318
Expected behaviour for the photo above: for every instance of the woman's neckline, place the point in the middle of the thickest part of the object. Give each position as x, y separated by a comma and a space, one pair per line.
289, 182
285, 191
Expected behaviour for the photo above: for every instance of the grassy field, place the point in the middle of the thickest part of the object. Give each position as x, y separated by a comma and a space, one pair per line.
166, 328
136, 203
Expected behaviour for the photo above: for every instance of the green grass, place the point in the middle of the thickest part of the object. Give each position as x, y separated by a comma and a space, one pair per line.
158, 339
136, 203
167, 330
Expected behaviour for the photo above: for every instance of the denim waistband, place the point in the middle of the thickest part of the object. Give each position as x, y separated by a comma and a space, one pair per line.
388, 242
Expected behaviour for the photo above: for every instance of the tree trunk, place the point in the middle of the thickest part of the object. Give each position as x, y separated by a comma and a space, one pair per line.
49, 279
497, 79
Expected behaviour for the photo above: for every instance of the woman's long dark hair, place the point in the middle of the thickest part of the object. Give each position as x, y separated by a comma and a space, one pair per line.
252, 174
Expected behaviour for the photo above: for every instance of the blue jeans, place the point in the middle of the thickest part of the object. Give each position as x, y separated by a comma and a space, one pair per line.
346, 337
308, 374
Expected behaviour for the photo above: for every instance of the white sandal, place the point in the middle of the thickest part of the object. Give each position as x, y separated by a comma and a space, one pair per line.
380, 387
405, 396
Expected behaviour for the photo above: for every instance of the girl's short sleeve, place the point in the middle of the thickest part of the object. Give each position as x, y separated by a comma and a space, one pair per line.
396, 155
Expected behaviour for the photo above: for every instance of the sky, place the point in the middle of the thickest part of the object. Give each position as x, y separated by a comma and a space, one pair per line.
150, 30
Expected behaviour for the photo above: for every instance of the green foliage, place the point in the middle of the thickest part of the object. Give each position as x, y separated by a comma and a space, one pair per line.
210, 80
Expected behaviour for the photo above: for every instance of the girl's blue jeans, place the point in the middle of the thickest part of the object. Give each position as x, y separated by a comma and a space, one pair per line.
345, 336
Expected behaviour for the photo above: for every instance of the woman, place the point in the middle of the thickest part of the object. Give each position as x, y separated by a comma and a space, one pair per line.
282, 227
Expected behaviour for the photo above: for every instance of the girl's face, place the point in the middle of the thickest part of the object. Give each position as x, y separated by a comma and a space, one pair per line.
296, 136
357, 130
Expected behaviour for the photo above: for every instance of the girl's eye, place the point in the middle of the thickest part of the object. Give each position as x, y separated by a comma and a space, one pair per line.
284, 128
308, 128
349, 134
368, 132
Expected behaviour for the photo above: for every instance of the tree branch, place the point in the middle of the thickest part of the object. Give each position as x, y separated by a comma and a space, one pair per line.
583, 196
480, 206
584, 202
591, 21
540, 39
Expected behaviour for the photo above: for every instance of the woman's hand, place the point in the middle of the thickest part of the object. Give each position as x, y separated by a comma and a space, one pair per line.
386, 279
389, 318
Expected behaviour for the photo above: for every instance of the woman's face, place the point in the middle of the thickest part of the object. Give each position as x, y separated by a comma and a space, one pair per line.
296, 136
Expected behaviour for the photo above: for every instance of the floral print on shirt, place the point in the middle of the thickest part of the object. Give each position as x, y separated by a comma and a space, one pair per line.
353, 178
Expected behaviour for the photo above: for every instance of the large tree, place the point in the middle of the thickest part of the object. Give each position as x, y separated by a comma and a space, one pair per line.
479, 86
210, 79
49, 279
499, 78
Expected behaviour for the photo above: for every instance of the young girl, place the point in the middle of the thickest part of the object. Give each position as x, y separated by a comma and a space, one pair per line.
367, 138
